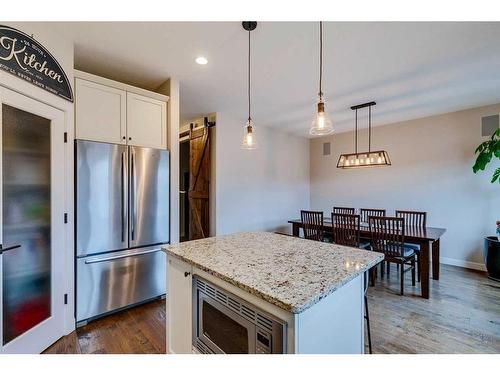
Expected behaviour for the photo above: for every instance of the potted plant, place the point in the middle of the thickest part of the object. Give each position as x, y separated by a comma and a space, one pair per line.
486, 151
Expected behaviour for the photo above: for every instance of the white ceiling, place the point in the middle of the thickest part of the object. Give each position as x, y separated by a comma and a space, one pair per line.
412, 70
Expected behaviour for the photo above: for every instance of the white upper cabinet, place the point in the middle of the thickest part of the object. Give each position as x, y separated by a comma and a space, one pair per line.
145, 121
100, 112
113, 112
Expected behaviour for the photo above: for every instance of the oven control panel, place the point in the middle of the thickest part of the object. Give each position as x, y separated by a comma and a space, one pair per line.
263, 342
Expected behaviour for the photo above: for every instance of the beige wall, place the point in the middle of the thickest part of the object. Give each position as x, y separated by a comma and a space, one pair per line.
431, 171
171, 88
263, 188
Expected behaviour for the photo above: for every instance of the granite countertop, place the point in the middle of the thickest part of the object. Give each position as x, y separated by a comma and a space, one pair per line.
289, 272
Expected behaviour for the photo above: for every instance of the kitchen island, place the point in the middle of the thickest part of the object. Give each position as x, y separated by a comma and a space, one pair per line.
262, 292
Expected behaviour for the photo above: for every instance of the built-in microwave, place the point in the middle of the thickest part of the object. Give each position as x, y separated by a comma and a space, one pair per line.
225, 323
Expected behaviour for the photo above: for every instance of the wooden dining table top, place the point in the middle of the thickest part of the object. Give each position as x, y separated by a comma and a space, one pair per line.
411, 232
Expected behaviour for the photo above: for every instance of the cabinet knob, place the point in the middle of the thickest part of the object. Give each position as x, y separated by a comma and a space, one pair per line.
186, 274
124, 137
129, 138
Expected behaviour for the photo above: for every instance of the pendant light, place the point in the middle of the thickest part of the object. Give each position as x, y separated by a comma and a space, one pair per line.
363, 159
321, 124
249, 141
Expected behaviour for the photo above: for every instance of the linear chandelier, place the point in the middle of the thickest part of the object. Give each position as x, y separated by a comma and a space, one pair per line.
368, 158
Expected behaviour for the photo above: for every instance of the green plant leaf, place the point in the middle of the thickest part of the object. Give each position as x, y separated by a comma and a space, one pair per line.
496, 176
486, 151
482, 160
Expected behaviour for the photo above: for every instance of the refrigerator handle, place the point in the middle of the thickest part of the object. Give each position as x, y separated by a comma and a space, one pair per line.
124, 196
133, 193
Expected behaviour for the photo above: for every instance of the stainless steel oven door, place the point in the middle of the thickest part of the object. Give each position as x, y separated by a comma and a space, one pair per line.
222, 330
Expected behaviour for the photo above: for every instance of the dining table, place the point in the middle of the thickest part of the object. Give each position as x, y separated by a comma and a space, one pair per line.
428, 239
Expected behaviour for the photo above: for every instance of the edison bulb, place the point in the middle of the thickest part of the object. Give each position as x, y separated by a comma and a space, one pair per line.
321, 124
249, 141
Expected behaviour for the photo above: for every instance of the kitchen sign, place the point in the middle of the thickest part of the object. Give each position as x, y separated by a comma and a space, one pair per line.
27, 59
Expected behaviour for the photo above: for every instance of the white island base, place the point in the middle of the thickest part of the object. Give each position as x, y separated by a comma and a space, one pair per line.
333, 325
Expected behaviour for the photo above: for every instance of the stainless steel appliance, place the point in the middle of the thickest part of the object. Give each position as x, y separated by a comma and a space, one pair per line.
122, 218
224, 323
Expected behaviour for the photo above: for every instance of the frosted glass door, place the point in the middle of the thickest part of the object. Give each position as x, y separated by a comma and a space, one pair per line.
31, 274
26, 221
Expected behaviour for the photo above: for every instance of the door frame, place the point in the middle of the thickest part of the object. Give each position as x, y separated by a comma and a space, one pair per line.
18, 86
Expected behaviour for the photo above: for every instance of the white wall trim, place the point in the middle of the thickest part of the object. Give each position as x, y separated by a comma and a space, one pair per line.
462, 263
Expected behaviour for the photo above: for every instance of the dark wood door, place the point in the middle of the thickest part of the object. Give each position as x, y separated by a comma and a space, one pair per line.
199, 183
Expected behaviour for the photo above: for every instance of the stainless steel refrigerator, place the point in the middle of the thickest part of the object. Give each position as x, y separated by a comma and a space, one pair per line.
122, 218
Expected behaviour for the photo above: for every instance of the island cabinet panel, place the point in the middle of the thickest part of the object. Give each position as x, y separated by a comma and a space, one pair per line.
179, 310
335, 324
146, 121
100, 112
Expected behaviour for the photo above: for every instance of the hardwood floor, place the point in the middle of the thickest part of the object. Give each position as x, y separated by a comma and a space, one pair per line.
461, 316
139, 330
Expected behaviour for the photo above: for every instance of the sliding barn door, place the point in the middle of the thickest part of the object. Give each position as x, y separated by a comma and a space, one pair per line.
199, 183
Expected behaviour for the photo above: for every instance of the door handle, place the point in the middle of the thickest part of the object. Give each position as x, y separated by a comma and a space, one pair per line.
124, 196
121, 256
133, 195
5, 249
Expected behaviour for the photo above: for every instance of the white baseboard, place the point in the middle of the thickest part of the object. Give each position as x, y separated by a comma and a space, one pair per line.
462, 263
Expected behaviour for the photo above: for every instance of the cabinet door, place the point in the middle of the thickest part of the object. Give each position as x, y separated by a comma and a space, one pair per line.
179, 310
100, 113
146, 121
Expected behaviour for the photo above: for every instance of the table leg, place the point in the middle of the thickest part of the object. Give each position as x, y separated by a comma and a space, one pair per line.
295, 229
424, 268
435, 260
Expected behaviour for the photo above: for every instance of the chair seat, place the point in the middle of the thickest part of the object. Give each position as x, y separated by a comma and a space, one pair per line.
412, 246
365, 245
407, 253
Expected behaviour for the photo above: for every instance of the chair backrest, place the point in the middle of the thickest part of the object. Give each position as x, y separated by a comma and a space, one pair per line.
365, 213
312, 223
388, 235
413, 218
344, 210
345, 229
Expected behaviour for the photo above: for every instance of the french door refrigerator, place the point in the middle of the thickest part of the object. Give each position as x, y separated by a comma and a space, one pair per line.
122, 219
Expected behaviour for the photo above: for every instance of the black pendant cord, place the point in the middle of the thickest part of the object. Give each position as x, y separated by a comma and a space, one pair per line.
249, 107
320, 59
369, 129
356, 133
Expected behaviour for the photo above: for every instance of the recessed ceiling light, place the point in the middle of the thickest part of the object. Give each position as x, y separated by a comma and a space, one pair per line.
201, 60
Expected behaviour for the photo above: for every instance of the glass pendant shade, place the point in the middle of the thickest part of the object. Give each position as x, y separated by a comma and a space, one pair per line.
249, 141
321, 124
364, 159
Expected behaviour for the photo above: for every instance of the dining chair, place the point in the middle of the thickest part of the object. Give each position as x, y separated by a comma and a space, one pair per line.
312, 224
344, 210
388, 234
365, 213
415, 220
345, 230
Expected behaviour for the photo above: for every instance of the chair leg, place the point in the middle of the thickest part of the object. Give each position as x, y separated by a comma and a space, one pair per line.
382, 271
388, 269
402, 279
413, 272
367, 317
418, 266
372, 275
